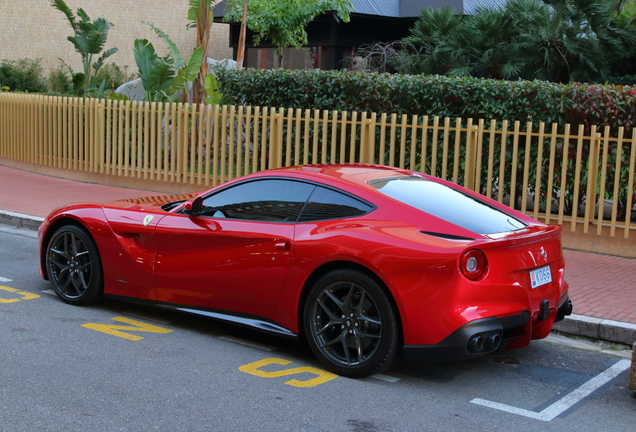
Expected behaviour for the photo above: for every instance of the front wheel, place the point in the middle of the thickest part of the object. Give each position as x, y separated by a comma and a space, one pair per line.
351, 324
73, 266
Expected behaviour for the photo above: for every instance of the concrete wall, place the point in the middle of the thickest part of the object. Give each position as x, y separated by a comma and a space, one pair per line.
34, 29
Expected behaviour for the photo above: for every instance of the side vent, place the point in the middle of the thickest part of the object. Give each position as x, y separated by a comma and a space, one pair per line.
446, 236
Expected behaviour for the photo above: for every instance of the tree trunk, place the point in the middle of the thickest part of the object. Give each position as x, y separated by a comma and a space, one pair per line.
203, 39
241, 46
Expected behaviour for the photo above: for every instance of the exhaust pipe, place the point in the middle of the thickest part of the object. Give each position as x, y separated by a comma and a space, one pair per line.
492, 341
563, 311
484, 342
476, 344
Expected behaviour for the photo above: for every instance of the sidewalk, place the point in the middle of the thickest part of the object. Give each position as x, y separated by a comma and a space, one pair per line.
602, 287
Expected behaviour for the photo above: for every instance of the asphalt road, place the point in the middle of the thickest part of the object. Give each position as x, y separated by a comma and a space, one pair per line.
122, 367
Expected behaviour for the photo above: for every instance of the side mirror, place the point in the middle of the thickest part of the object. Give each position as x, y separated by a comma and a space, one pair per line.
194, 207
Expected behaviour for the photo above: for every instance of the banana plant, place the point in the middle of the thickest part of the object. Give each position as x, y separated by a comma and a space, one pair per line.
200, 18
163, 77
89, 40
214, 96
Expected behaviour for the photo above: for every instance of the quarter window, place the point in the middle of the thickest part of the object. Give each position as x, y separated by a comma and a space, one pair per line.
329, 204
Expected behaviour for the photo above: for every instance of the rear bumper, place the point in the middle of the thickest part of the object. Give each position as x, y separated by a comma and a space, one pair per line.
483, 336
455, 346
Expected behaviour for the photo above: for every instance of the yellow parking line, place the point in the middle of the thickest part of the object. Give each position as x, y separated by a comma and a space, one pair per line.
113, 329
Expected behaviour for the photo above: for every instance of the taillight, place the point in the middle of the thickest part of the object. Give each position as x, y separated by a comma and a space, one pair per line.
474, 264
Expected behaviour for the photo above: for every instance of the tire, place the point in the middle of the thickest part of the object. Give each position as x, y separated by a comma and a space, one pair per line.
74, 267
350, 324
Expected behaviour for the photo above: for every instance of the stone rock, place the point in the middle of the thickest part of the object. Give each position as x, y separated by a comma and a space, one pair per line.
135, 90
228, 64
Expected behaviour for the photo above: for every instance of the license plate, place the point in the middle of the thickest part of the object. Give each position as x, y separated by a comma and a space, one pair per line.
540, 276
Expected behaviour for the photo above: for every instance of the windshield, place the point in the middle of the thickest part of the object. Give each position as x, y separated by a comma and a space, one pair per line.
449, 204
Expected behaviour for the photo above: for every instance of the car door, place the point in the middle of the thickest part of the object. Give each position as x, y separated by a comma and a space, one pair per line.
235, 255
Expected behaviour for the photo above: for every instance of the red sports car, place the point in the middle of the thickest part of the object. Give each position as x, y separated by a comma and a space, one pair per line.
363, 262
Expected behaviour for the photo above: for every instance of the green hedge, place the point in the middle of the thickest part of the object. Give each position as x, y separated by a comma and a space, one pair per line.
442, 96
536, 101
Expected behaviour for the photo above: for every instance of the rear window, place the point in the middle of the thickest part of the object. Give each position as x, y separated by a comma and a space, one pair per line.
449, 204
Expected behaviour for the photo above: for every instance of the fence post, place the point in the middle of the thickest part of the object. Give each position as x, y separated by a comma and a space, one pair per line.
592, 176
367, 138
273, 139
276, 138
371, 138
469, 167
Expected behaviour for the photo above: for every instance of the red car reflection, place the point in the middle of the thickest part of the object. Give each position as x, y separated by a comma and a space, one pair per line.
363, 262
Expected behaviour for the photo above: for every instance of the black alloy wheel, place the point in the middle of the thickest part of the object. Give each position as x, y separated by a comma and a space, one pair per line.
350, 324
73, 266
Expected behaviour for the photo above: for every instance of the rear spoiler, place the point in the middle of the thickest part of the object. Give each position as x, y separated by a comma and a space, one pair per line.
528, 234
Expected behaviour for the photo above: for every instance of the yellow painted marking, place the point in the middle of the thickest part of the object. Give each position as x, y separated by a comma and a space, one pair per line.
323, 376
25, 295
114, 329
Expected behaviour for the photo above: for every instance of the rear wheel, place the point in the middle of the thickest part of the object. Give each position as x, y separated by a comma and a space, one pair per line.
350, 324
73, 266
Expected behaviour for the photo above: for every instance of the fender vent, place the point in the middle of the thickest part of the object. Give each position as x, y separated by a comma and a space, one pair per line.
446, 236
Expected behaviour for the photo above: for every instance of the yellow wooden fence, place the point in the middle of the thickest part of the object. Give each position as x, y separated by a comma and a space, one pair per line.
557, 175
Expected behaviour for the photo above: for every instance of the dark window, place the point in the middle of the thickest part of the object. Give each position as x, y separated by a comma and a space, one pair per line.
328, 204
260, 200
449, 204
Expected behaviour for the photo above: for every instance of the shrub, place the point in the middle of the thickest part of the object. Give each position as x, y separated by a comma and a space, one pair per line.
623, 80
113, 76
467, 97
443, 96
110, 76
22, 75
60, 80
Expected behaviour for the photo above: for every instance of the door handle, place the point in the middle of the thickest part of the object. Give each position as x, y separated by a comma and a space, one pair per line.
283, 246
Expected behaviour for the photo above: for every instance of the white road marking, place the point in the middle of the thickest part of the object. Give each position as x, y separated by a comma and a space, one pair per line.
386, 378
49, 292
598, 346
5, 279
248, 343
568, 400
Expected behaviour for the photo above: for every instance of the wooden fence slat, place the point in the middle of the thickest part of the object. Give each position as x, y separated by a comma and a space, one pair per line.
548, 199
601, 197
617, 177
630, 185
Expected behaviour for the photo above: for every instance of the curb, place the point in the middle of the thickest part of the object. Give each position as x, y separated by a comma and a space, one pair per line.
632, 372
598, 328
20, 220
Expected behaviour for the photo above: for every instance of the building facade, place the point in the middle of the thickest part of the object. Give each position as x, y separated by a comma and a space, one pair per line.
34, 29
331, 43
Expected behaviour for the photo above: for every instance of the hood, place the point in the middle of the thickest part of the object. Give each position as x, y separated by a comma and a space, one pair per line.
148, 204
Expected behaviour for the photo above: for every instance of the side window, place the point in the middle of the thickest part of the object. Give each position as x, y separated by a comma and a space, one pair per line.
328, 204
260, 200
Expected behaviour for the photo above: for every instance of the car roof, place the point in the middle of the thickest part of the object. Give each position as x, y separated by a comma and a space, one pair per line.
350, 173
